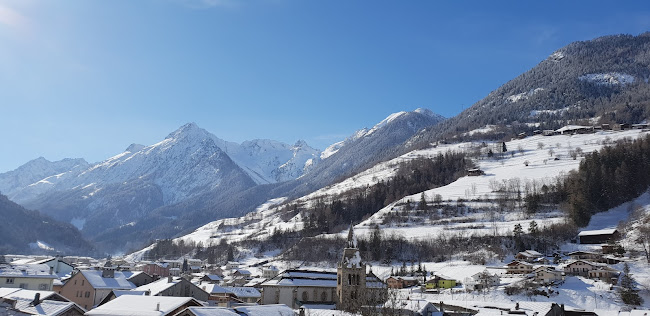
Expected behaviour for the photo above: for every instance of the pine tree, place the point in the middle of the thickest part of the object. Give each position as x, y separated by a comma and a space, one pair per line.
533, 230
423, 203
629, 294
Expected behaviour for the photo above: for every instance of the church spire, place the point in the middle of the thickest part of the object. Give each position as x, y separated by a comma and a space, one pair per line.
352, 241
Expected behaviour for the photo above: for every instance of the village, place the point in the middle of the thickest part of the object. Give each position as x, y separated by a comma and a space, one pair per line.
32, 285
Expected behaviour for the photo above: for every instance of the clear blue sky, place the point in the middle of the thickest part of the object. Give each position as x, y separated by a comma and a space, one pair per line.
85, 78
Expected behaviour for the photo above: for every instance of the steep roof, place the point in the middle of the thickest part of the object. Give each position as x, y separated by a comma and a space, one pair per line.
119, 281
45, 307
26, 271
244, 292
608, 231
159, 286
304, 278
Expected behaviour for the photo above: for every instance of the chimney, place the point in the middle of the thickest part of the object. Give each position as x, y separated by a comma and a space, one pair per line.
170, 279
51, 270
517, 306
37, 299
158, 307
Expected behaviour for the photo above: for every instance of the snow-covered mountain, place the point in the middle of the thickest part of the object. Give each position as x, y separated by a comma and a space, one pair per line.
269, 161
12, 182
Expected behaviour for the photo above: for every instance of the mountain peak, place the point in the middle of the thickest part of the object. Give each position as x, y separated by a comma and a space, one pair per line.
186, 130
134, 148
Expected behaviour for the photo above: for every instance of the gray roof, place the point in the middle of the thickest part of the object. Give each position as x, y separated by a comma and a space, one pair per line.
26, 271
119, 281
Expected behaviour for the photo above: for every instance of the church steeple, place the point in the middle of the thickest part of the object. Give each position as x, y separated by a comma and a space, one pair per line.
352, 241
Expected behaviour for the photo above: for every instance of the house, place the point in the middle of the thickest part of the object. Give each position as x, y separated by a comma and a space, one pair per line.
549, 132
27, 276
29, 302
156, 269
89, 287
547, 275
211, 279
174, 286
605, 274
134, 305
245, 294
220, 296
400, 282
585, 255
481, 280
519, 267
575, 129
528, 256
59, 267
440, 281
270, 272
601, 236
231, 265
521, 135
581, 267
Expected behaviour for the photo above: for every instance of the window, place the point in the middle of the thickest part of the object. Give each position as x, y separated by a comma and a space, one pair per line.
87, 294
323, 296
75, 282
23, 286
10, 281
83, 282
43, 287
339, 279
305, 296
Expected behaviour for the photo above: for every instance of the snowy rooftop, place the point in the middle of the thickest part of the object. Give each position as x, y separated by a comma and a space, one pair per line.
119, 281
26, 271
46, 307
303, 278
128, 305
266, 310
607, 231
211, 311
242, 292
158, 286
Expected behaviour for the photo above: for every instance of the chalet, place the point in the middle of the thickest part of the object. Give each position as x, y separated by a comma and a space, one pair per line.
640, 126
248, 295
220, 296
547, 275
440, 281
537, 132
255, 282
174, 286
528, 256
549, 132
608, 249
231, 265
600, 236
581, 267
211, 279
27, 276
605, 274
521, 135
519, 267
144, 305
585, 255
475, 172
481, 280
89, 287
606, 127
401, 282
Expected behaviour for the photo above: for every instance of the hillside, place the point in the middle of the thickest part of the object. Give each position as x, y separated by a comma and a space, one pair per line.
604, 80
28, 231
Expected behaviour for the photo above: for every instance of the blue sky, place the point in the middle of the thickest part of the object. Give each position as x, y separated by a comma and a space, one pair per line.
87, 78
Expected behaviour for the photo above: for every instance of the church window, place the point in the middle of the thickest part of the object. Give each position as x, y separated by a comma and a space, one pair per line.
323, 296
305, 296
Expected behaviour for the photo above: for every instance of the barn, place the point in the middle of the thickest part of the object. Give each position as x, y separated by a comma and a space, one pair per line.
600, 236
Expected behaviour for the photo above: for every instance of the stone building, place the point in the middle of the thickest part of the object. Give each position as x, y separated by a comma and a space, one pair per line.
354, 287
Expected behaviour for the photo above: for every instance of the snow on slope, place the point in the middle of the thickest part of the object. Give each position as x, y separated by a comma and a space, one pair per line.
541, 167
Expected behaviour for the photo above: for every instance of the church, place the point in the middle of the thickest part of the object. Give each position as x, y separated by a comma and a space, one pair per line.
349, 288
